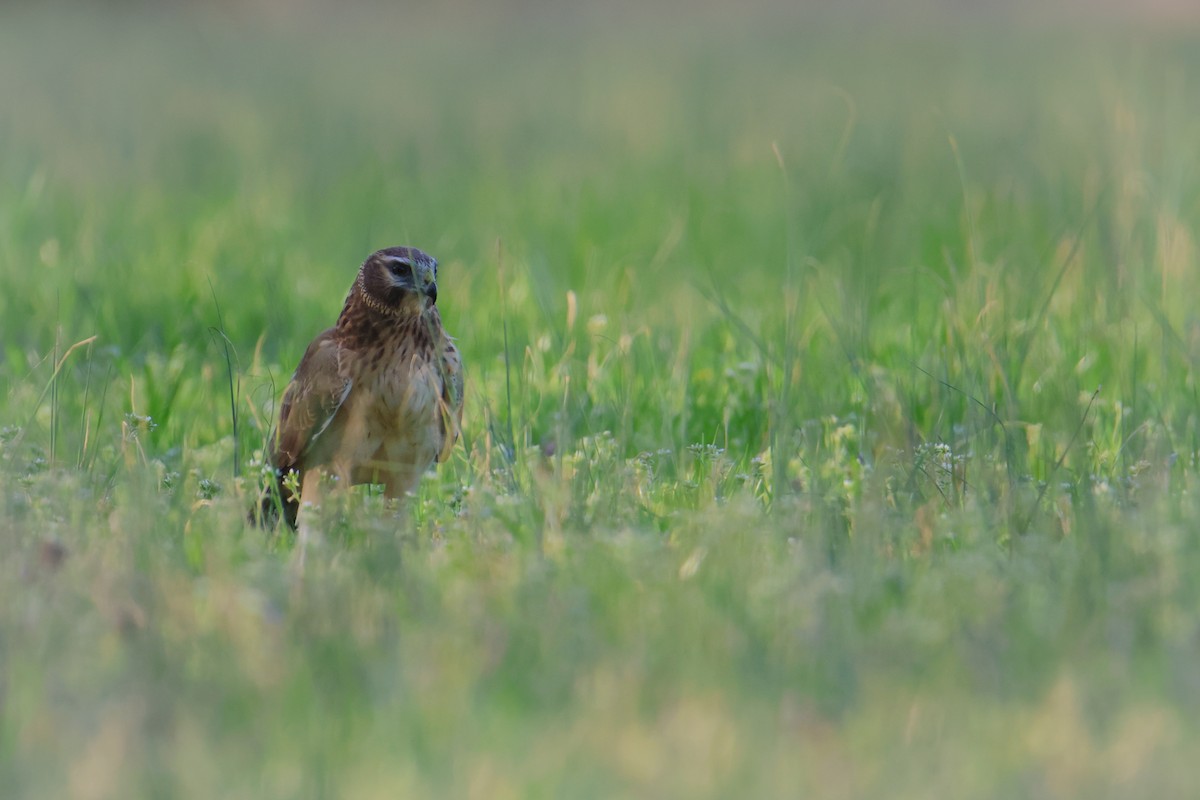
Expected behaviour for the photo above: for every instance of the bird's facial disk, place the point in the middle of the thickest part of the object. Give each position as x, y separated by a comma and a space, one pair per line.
402, 277
414, 274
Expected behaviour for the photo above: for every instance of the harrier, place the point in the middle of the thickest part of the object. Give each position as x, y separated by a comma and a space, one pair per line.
378, 397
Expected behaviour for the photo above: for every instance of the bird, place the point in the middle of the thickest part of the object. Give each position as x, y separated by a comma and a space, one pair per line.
377, 398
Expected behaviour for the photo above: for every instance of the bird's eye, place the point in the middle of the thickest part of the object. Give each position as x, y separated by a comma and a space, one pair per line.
401, 268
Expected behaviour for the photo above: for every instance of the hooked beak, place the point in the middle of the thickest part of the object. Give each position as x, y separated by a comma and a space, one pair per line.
428, 283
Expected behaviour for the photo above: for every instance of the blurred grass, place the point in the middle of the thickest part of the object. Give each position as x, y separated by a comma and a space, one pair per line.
853, 429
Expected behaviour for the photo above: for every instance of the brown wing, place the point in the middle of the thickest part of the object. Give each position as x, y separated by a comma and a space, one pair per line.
311, 400
451, 401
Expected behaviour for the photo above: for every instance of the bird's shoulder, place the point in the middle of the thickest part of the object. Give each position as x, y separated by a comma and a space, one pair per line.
318, 388
451, 401
452, 371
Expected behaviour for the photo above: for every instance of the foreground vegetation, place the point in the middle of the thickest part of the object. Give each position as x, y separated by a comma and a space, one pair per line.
831, 415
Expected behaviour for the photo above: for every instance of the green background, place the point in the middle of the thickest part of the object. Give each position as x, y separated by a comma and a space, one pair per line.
830, 417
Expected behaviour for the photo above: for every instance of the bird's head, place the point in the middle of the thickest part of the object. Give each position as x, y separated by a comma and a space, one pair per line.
399, 280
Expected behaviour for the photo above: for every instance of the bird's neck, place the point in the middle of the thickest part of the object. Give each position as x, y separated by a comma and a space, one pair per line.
363, 311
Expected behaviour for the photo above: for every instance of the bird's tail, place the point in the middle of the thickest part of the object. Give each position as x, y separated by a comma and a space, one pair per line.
276, 502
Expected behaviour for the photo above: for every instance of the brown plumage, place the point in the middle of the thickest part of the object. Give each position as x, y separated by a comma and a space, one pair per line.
378, 397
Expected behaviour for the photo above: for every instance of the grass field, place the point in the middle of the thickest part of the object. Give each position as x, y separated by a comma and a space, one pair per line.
832, 422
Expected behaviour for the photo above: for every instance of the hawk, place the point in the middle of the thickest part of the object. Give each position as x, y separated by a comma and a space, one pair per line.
378, 397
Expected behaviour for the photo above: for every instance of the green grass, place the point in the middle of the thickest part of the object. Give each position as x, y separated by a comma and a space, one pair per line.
831, 418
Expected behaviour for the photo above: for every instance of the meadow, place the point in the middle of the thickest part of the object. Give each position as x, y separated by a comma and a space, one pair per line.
831, 417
